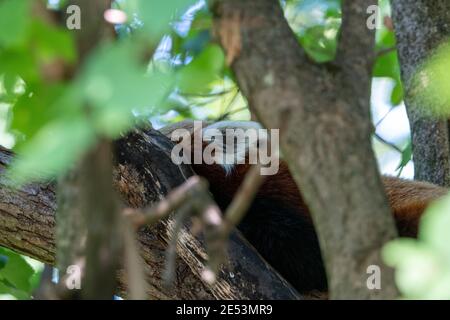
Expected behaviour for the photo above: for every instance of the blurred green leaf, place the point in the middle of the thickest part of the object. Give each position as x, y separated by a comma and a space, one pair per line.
418, 268
3, 261
435, 227
196, 43
9, 82
198, 75
41, 104
113, 93
423, 265
52, 42
53, 149
316, 23
17, 272
19, 62
430, 84
10, 292
14, 21
156, 15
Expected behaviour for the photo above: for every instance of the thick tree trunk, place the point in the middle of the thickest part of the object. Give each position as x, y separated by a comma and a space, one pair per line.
420, 27
143, 174
322, 112
89, 219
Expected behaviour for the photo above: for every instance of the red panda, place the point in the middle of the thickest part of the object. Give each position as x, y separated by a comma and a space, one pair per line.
278, 223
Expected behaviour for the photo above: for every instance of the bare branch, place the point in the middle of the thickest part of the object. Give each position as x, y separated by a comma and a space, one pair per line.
323, 116
134, 265
174, 200
143, 174
243, 198
356, 40
420, 27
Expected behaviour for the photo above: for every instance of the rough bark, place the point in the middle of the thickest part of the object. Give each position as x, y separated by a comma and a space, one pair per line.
322, 112
420, 27
143, 174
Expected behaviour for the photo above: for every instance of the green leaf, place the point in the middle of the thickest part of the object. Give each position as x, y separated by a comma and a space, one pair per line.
387, 65
54, 148
9, 82
385, 39
423, 266
3, 261
417, 267
52, 42
197, 76
316, 23
19, 62
156, 15
113, 93
8, 291
41, 104
317, 44
17, 272
397, 93
406, 156
430, 84
434, 228
14, 22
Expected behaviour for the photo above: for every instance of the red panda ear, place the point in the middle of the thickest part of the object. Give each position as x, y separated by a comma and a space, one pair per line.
185, 124
408, 200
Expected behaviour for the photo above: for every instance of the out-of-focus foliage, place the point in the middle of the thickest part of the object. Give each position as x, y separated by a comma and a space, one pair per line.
19, 276
387, 64
430, 85
406, 156
316, 23
204, 69
54, 122
186, 77
214, 94
423, 265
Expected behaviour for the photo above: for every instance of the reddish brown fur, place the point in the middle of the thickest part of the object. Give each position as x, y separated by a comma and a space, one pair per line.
278, 223
407, 199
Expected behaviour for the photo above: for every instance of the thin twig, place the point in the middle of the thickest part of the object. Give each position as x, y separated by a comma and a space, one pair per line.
192, 199
206, 95
180, 218
134, 265
244, 197
384, 51
390, 144
229, 105
165, 207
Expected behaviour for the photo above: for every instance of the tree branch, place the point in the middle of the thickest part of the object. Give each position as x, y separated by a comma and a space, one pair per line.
355, 52
143, 174
323, 117
420, 27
